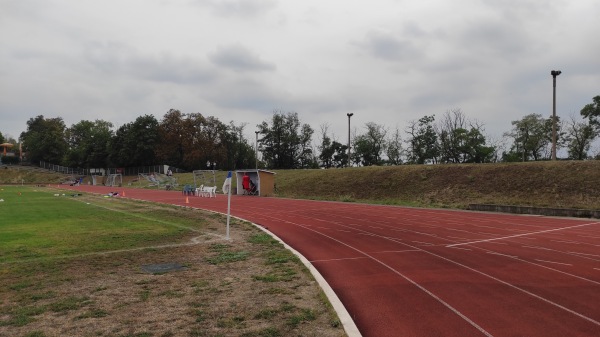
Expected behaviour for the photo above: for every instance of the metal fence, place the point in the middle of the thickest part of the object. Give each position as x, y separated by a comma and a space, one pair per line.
126, 171
62, 169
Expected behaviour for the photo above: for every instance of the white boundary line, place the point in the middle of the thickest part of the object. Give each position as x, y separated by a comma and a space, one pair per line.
564, 264
526, 234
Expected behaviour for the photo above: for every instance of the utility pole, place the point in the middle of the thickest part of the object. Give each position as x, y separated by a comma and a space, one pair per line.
349, 157
554, 73
256, 149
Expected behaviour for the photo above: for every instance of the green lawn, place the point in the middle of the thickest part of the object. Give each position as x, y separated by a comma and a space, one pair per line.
34, 223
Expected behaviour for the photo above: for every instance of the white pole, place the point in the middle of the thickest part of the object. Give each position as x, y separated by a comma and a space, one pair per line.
228, 204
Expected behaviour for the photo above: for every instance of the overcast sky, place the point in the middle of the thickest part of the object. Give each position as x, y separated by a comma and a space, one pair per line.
386, 61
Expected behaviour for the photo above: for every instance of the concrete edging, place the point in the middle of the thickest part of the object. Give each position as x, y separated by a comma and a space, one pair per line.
345, 318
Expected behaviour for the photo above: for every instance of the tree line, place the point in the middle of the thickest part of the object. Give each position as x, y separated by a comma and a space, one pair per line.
195, 141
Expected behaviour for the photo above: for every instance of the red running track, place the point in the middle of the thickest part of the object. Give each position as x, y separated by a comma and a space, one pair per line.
423, 272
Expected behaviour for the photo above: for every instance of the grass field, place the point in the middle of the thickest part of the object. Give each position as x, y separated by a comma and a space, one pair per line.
77, 265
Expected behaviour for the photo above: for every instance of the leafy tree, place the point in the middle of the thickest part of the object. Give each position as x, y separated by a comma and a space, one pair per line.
451, 131
461, 141
45, 140
369, 147
193, 140
207, 144
134, 144
1, 138
423, 141
326, 150
340, 154
532, 138
172, 131
306, 154
394, 149
285, 143
88, 144
579, 137
332, 153
592, 113
239, 152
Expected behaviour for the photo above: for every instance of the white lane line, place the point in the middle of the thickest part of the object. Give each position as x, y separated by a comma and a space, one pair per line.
505, 255
486, 226
571, 242
458, 230
525, 234
576, 254
424, 243
461, 248
340, 259
536, 247
397, 251
564, 264
456, 237
546, 266
586, 254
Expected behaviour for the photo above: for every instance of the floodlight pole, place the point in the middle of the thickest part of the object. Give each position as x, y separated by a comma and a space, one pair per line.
256, 149
349, 158
554, 73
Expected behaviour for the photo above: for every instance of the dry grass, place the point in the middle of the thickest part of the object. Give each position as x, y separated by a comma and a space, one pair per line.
27, 175
248, 286
566, 184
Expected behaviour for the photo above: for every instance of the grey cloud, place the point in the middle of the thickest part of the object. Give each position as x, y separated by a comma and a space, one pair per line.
247, 94
389, 47
238, 8
118, 59
239, 58
496, 39
525, 10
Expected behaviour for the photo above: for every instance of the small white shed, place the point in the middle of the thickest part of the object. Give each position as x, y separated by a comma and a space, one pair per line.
264, 181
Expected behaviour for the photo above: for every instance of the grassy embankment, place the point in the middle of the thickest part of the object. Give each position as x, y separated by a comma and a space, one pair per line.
544, 184
562, 184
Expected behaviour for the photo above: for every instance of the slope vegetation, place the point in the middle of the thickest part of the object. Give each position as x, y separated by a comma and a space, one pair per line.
563, 184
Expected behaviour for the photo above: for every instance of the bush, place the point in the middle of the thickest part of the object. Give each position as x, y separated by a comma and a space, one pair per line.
6, 160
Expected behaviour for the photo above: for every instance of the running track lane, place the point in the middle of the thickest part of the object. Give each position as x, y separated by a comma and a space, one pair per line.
423, 272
